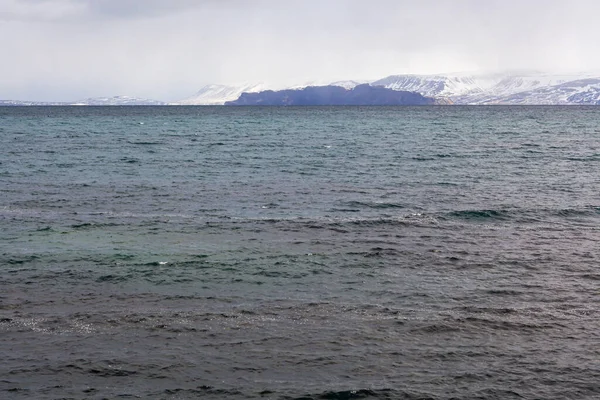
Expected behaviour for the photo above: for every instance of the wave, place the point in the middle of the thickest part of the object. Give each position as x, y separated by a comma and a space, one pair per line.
592, 157
479, 214
352, 216
142, 143
521, 215
363, 394
371, 204
532, 215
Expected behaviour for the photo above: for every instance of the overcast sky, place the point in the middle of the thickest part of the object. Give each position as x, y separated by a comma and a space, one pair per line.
65, 50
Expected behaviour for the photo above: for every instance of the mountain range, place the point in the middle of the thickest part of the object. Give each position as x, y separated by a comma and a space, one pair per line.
524, 87
119, 101
529, 87
95, 101
509, 88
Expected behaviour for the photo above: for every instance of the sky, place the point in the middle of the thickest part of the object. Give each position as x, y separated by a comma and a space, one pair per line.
66, 50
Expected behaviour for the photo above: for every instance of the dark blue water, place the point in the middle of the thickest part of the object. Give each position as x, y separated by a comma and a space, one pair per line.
287, 253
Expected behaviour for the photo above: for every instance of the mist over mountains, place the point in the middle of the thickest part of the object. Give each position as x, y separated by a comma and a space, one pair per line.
511, 88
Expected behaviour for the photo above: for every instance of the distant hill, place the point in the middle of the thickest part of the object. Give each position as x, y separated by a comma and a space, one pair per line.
219, 94
361, 95
118, 101
95, 101
525, 87
582, 91
30, 103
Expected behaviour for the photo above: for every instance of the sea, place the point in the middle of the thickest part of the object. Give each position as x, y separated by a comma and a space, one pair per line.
435, 252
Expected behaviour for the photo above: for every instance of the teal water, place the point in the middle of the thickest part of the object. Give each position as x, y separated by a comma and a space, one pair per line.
324, 253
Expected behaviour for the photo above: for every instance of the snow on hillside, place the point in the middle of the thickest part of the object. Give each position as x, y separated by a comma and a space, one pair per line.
435, 85
30, 103
580, 91
497, 88
219, 94
348, 84
118, 101
512, 84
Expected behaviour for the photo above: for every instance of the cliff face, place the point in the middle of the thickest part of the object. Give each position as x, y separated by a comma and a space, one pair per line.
361, 95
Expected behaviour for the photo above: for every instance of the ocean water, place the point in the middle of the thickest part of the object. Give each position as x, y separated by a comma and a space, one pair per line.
300, 253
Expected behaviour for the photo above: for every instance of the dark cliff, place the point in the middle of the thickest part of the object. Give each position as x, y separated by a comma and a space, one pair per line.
361, 95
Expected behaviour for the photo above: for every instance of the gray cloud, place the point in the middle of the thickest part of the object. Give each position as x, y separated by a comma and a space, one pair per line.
141, 9
68, 49
39, 10
70, 10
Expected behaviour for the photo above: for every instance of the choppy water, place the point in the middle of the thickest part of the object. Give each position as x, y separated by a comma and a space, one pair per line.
300, 253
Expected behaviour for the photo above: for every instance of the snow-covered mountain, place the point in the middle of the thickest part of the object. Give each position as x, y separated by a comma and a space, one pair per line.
219, 94
520, 87
498, 88
348, 84
31, 103
118, 101
580, 91
436, 85
517, 87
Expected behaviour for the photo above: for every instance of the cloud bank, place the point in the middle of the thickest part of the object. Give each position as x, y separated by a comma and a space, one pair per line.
63, 50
